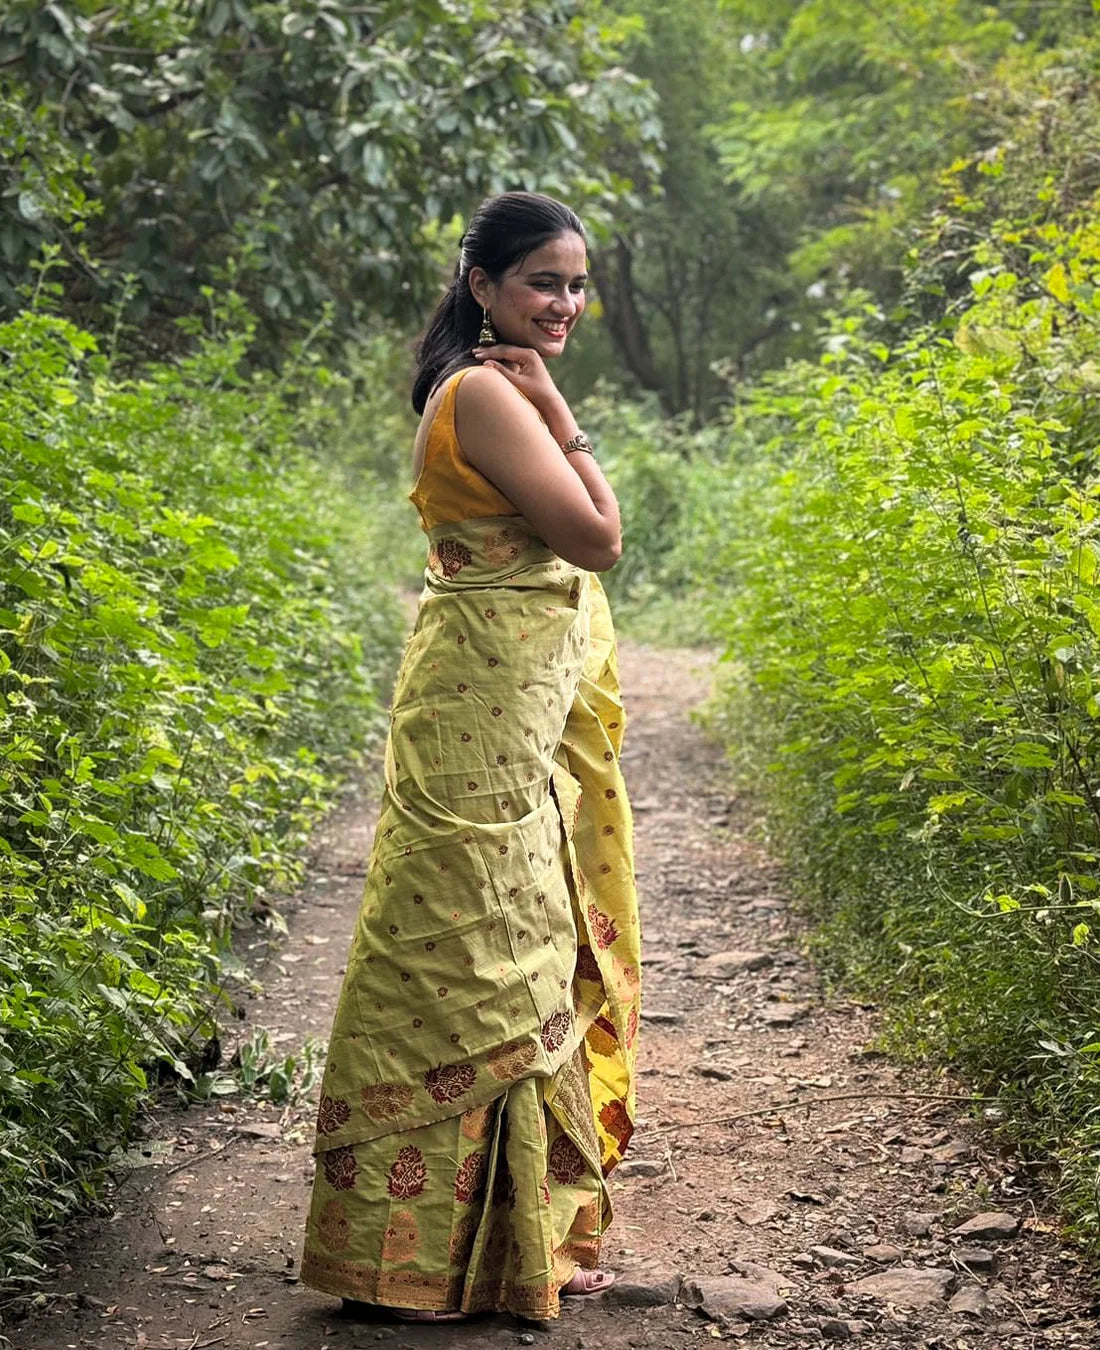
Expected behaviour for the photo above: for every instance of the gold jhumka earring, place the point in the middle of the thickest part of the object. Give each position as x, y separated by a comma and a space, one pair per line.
487, 337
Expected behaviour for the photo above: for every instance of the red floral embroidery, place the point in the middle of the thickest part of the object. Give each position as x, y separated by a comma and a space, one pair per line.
509, 1060
470, 1179
631, 1027
615, 1119
566, 1163
588, 968
448, 1082
555, 1030
544, 1191
331, 1114
386, 1101
603, 928
453, 556
408, 1174
333, 1227
341, 1169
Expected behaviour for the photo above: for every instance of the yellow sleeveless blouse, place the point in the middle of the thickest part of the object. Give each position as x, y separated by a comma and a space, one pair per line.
448, 487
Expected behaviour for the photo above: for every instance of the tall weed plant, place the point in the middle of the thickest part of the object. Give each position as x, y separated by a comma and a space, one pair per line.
194, 630
905, 582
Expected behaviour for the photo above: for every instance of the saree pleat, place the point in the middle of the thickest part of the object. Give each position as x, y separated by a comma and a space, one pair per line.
479, 1084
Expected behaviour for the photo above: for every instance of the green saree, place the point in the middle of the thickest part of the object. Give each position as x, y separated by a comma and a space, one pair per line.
479, 1085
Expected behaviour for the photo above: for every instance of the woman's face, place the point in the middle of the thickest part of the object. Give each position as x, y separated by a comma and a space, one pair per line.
537, 303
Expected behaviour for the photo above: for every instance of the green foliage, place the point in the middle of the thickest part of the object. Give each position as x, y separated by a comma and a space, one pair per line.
804, 143
315, 149
191, 639
661, 472
912, 544
258, 1071
691, 272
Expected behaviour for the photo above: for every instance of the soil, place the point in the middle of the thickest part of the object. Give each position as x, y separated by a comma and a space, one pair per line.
772, 1133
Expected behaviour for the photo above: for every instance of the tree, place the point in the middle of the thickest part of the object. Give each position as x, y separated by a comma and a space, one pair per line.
687, 278
803, 137
310, 153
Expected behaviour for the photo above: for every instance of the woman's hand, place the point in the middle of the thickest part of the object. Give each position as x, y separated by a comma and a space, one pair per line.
524, 367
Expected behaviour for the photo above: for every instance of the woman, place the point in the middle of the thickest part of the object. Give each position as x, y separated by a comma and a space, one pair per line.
480, 1078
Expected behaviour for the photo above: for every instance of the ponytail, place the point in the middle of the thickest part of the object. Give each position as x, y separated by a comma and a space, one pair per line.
448, 340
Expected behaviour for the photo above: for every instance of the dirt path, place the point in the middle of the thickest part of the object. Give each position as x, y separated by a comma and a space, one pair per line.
780, 1216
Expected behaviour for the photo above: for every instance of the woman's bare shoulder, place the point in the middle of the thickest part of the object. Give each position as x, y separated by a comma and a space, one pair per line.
488, 396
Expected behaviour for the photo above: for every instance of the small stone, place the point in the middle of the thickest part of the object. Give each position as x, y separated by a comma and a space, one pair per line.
803, 1259
975, 1258
917, 1224
911, 1156
640, 1167
955, 1150
832, 1256
785, 1015
995, 1224
834, 1329
883, 1252
720, 1075
526, 1339
972, 1300
706, 1216
760, 1211
911, 1286
652, 1290
661, 1019
730, 1298
774, 1279
727, 965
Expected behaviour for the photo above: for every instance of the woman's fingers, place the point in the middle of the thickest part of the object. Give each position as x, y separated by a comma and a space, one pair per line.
502, 352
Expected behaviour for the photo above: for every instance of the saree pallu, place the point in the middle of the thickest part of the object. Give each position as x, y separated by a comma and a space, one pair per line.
479, 1085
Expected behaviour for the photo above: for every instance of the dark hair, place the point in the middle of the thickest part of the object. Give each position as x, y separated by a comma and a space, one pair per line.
501, 233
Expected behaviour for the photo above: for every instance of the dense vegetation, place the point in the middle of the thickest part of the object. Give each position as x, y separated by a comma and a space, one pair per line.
897, 545
842, 366
192, 653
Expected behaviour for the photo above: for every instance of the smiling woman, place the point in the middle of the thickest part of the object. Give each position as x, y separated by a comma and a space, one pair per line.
480, 1082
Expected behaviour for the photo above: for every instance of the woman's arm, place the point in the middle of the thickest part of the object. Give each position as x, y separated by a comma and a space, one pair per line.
565, 498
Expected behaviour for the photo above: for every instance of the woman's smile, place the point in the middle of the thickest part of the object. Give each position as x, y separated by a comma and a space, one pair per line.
538, 303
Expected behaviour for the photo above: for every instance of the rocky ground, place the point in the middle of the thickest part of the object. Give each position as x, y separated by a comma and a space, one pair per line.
788, 1185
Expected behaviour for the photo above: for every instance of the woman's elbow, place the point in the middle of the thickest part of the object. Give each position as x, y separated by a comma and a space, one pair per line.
605, 558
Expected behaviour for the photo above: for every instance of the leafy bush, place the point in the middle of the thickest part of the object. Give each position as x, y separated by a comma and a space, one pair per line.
193, 636
914, 639
658, 469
